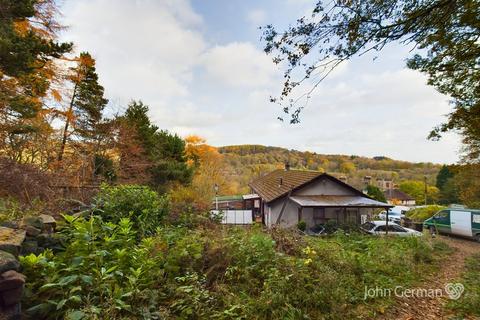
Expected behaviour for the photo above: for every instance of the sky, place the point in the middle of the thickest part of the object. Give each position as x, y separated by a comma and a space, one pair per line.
200, 67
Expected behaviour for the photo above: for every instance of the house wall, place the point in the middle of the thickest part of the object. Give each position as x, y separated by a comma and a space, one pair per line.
323, 187
290, 215
307, 216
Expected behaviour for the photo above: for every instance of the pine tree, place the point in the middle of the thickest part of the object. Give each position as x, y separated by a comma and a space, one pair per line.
165, 152
28, 49
84, 112
443, 176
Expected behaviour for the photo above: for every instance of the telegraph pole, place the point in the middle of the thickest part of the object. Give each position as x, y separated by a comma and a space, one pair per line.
426, 190
215, 187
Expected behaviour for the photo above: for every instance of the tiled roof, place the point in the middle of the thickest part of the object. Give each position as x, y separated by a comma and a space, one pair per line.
279, 182
397, 194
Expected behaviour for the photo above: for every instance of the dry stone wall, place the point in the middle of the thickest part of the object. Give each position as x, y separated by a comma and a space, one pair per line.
32, 235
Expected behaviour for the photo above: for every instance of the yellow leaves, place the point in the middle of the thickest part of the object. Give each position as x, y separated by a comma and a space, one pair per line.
22, 27
209, 168
86, 60
56, 95
194, 140
83, 62
198, 152
309, 251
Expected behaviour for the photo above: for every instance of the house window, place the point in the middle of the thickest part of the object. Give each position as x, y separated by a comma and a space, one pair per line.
352, 215
319, 215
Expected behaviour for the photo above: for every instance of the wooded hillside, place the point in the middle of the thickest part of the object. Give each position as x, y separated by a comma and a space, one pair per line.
245, 162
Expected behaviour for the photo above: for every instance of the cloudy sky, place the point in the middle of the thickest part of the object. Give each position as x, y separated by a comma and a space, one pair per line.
200, 67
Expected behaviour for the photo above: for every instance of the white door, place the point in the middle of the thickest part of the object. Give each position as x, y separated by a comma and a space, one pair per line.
461, 222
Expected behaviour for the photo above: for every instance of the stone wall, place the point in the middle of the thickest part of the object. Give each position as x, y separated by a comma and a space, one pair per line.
32, 235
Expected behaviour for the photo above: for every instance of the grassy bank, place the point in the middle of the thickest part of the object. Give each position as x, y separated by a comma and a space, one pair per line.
469, 302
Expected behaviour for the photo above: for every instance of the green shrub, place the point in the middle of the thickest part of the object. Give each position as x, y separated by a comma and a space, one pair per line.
302, 225
100, 274
143, 206
424, 213
12, 210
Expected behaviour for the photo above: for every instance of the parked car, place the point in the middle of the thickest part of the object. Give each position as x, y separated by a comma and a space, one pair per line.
395, 214
380, 228
457, 221
392, 216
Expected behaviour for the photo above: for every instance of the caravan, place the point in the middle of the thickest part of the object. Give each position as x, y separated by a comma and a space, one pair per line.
456, 221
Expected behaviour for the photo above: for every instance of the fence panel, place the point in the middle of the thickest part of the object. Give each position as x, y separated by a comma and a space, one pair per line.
234, 216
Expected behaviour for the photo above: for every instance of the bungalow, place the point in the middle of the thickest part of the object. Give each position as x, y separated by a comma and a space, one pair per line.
289, 196
398, 197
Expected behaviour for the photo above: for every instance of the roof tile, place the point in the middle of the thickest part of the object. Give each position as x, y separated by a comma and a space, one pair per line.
279, 182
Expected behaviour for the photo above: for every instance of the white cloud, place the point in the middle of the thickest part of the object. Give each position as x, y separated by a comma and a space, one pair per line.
257, 17
143, 48
239, 64
189, 115
389, 113
158, 51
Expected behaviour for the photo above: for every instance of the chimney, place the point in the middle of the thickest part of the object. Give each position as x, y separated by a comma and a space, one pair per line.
287, 166
281, 182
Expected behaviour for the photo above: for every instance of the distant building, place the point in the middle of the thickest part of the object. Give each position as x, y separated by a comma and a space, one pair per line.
385, 184
398, 197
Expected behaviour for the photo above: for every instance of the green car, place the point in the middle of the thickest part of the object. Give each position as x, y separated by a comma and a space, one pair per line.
461, 222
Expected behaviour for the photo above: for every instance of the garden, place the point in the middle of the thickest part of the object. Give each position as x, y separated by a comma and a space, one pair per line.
127, 257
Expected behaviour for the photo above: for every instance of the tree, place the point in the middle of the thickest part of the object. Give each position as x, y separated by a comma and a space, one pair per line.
347, 167
467, 184
445, 31
376, 193
209, 170
443, 175
447, 185
416, 189
86, 105
164, 152
28, 51
449, 192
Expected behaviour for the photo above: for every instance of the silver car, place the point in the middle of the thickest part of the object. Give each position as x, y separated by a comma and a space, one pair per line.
380, 228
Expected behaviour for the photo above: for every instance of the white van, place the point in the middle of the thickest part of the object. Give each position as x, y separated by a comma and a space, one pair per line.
461, 222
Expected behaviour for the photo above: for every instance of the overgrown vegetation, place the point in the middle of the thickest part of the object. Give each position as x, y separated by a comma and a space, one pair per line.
469, 302
142, 206
423, 213
12, 211
111, 269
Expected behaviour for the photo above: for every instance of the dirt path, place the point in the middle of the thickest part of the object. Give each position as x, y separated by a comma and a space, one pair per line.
433, 308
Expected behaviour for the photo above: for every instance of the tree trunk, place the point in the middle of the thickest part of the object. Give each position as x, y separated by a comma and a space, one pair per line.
67, 124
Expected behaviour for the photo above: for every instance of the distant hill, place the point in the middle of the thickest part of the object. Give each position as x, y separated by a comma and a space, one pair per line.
245, 162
